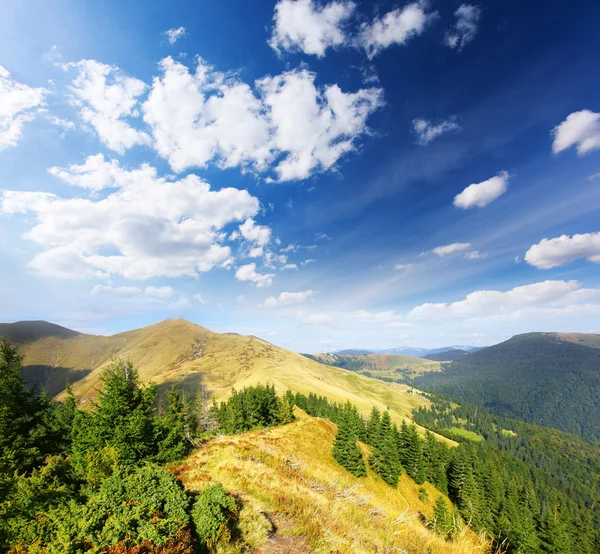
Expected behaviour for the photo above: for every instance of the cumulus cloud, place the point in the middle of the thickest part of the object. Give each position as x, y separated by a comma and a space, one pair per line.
494, 302
481, 194
173, 35
395, 27
549, 253
248, 273
17, 104
451, 248
258, 234
206, 116
465, 29
106, 99
426, 131
288, 298
580, 129
146, 226
304, 26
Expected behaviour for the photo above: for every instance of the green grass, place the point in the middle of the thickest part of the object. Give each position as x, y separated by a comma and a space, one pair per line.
471, 435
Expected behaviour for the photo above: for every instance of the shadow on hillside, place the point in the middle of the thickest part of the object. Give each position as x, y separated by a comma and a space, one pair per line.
190, 383
53, 379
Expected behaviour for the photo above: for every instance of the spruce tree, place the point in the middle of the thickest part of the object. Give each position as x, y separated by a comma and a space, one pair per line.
442, 522
171, 432
345, 449
384, 459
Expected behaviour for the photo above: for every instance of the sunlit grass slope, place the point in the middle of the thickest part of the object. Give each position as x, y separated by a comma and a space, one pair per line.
177, 351
390, 366
288, 474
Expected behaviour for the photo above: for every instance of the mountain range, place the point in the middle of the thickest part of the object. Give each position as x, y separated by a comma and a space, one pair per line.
408, 350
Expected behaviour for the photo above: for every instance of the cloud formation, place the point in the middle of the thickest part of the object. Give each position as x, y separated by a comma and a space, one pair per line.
288, 298
549, 253
395, 27
107, 99
426, 131
465, 29
580, 129
286, 123
142, 226
479, 195
495, 302
248, 273
17, 104
304, 26
173, 35
448, 249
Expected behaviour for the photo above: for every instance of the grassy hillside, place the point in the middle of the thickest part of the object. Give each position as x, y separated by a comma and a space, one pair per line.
388, 367
288, 479
177, 351
552, 379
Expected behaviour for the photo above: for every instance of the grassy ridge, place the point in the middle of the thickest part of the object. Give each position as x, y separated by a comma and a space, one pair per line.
179, 352
289, 472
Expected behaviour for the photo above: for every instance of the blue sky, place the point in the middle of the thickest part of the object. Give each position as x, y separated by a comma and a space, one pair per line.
323, 175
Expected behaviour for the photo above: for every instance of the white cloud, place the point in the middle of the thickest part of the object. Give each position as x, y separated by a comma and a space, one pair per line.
451, 248
313, 128
159, 292
147, 226
465, 29
17, 102
173, 35
106, 98
549, 253
199, 298
322, 236
318, 319
102, 290
403, 267
426, 131
304, 26
248, 273
581, 129
494, 302
95, 174
290, 266
473, 255
288, 298
481, 194
365, 315
306, 262
258, 234
206, 116
395, 27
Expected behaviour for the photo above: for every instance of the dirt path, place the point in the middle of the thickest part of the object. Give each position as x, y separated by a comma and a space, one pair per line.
281, 542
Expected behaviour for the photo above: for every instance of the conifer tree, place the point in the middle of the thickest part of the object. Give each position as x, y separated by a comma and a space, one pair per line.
345, 449
411, 454
171, 433
442, 522
384, 459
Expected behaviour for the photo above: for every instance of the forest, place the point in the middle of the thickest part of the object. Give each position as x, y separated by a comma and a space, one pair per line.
98, 480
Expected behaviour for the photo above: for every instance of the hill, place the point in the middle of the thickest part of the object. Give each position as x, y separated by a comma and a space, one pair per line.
551, 379
182, 353
386, 367
447, 355
29, 331
288, 479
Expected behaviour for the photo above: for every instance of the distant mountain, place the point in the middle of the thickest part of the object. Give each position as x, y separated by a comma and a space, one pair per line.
29, 331
551, 379
424, 352
353, 352
447, 355
175, 351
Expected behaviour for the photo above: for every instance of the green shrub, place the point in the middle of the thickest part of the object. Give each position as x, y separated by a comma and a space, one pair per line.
213, 512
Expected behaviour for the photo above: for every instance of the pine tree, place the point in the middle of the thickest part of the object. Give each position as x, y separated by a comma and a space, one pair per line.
411, 455
171, 432
554, 531
345, 449
442, 522
384, 459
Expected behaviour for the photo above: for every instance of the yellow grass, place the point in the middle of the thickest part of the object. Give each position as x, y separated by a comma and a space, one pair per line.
289, 472
179, 352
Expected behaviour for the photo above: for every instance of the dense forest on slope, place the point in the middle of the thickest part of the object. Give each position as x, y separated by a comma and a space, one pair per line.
447, 355
549, 379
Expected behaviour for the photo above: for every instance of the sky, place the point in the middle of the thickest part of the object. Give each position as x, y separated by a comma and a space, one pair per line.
321, 174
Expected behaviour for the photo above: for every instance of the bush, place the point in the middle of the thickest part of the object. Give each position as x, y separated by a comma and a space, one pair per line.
213, 513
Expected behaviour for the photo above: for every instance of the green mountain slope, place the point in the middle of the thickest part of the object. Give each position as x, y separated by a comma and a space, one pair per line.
551, 379
386, 367
447, 355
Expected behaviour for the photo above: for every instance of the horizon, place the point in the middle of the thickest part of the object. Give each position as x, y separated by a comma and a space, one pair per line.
402, 173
